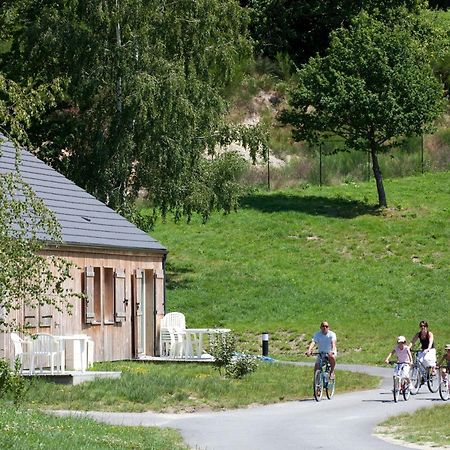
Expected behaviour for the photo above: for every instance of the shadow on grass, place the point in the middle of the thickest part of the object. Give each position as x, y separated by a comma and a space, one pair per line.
313, 205
177, 276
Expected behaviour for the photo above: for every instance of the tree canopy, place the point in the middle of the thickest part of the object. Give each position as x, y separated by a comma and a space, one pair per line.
301, 28
143, 98
374, 87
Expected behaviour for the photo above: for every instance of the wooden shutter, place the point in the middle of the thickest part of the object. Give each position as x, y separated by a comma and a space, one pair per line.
30, 316
89, 278
120, 300
45, 315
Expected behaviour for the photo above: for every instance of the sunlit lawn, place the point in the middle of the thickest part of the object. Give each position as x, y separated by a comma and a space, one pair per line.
289, 259
424, 426
186, 387
26, 429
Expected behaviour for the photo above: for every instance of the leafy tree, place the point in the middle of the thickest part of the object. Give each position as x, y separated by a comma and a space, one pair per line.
374, 87
27, 277
301, 28
144, 97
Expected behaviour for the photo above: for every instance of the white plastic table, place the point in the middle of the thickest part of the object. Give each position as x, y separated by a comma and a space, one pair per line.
194, 340
77, 355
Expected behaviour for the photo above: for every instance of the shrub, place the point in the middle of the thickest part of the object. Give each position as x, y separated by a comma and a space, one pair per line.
12, 382
235, 365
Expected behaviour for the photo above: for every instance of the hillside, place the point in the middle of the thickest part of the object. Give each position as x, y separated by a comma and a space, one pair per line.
288, 259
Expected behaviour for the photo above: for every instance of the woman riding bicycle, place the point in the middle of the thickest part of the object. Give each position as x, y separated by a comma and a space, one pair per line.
427, 355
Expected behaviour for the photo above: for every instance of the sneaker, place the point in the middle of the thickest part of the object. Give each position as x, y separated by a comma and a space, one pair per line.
332, 376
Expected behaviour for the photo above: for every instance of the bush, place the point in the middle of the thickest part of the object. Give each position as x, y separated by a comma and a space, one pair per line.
12, 382
235, 365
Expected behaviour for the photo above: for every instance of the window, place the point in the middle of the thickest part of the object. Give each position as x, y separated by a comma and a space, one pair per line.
108, 295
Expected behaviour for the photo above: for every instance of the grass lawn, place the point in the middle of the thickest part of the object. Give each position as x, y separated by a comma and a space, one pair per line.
428, 425
289, 259
185, 387
27, 429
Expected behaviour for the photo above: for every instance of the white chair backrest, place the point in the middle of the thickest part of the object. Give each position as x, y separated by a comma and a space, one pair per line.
174, 320
45, 343
18, 350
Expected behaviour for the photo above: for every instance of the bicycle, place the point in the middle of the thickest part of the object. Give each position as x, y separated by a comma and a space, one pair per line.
401, 384
322, 378
421, 375
443, 383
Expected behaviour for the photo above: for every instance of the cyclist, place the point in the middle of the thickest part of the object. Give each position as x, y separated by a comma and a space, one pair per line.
325, 339
445, 361
404, 358
427, 355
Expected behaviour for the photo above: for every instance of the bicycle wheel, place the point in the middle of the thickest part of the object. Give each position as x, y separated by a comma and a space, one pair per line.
414, 384
443, 386
432, 381
406, 391
396, 391
318, 385
330, 387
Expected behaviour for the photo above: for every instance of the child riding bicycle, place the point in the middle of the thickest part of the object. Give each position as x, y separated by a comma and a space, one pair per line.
404, 358
445, 362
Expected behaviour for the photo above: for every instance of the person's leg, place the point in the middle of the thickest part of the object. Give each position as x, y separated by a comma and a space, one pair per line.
332, 359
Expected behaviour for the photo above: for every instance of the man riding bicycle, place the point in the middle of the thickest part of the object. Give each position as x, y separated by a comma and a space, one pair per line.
325, 339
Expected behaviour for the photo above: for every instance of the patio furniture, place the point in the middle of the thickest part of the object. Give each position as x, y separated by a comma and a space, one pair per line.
22, 350
169, 339
79, 351
195, 340
47, 352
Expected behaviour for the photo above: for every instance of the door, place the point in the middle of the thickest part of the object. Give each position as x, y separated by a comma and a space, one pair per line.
138, 316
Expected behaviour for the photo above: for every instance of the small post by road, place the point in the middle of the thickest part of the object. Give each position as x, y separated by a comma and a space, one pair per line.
265, 343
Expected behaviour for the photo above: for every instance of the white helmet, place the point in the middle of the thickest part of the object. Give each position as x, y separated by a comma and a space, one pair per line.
401, 339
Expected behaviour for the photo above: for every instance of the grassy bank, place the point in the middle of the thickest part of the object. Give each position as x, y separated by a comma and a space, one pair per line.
179, 387
288, 259
425, 426
26, 429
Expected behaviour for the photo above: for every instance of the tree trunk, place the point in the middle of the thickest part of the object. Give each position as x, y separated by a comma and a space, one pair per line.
378, 177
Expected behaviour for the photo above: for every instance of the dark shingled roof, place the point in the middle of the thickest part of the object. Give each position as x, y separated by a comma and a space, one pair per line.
84, 220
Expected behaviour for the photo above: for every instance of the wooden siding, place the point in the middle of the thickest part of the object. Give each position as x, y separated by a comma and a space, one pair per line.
113, 339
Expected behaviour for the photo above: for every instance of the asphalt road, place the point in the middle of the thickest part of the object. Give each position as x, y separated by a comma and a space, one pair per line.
345, 422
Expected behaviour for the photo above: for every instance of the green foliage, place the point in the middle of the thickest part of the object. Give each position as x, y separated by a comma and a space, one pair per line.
144, 97
27, 276
374, 87
241, 365
222, 348
11, 382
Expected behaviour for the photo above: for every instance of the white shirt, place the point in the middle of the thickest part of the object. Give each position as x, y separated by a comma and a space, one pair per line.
324, 342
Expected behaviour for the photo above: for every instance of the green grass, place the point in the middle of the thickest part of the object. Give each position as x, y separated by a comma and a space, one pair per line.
26, 429
289, 259
428, 425
179, 387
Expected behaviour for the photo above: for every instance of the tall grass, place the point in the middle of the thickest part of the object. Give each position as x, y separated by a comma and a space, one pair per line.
32, 430
288, 259
186, 387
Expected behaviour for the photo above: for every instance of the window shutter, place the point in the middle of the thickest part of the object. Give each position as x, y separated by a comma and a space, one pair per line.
120, 300
30, 316
89, 277
45, 315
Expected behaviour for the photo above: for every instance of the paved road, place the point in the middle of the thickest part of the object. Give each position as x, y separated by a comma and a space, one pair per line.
345, 422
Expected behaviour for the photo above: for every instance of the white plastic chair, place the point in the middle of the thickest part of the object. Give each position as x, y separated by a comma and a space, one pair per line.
47, 352
170, 341
22, 350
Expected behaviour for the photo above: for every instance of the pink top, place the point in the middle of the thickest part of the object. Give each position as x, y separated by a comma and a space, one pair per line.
402, 355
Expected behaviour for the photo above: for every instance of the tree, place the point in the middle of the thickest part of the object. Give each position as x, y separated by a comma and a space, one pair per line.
301, 28
374, 87
144, 97
27, 277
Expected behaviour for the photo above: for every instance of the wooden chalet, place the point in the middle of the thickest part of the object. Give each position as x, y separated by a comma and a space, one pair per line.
120, 268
